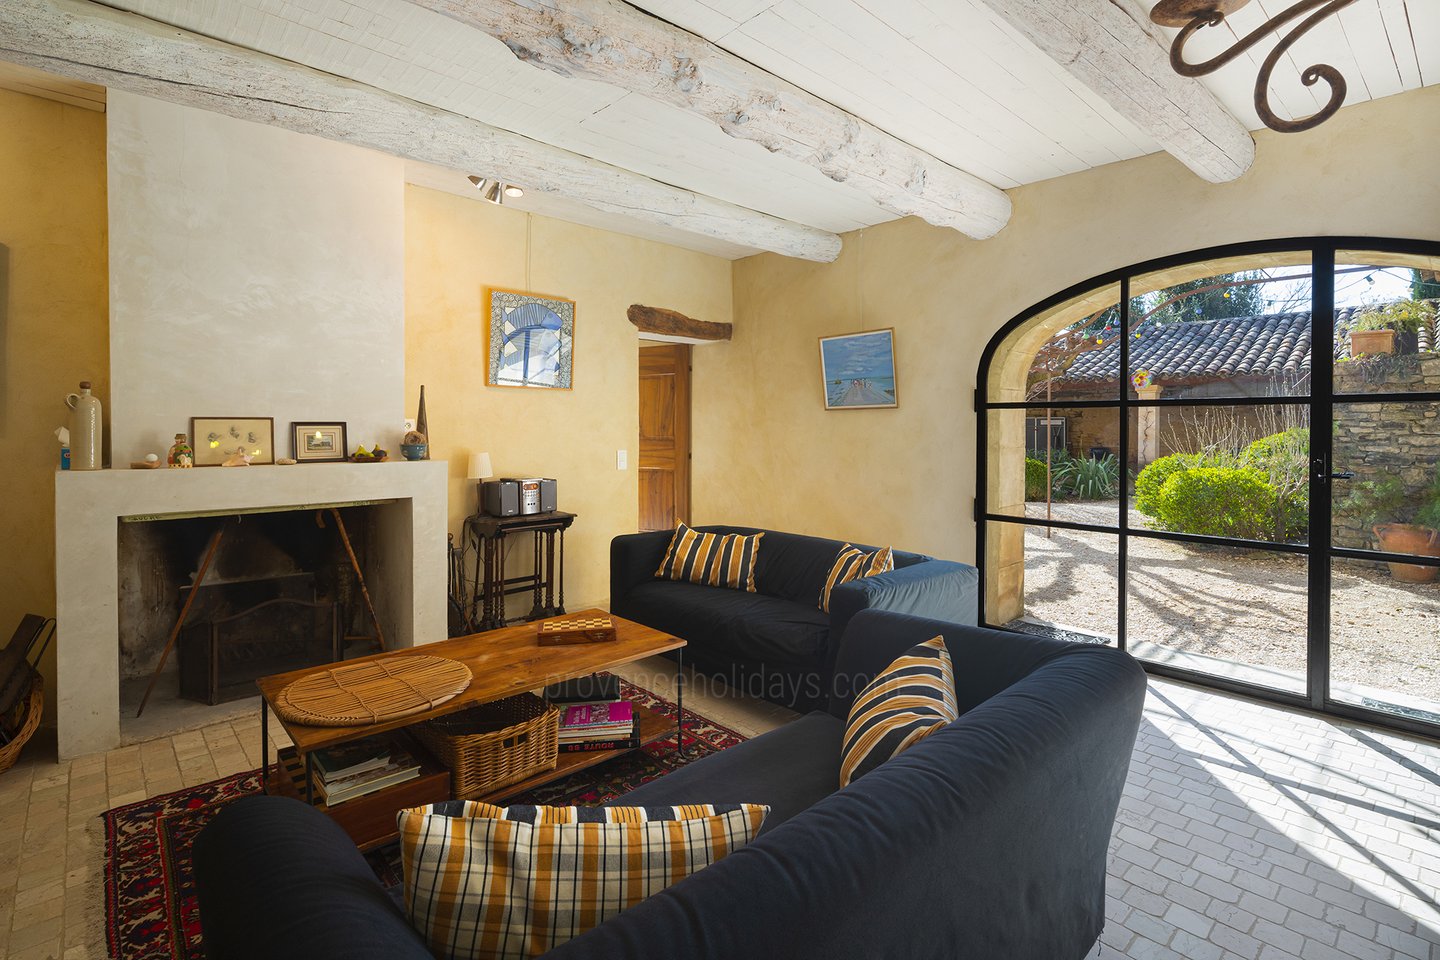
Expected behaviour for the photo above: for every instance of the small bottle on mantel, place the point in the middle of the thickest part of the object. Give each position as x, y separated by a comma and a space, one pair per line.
85, 430
421, 424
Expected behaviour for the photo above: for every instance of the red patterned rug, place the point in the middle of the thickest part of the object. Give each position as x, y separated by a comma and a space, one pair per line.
150, 909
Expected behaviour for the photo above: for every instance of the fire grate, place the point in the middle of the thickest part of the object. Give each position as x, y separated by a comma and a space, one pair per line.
221, 660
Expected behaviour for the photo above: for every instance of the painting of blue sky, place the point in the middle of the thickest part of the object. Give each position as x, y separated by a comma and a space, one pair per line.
859, 370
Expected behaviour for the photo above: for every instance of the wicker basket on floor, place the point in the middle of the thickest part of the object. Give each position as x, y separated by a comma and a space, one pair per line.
30, 711
495, 744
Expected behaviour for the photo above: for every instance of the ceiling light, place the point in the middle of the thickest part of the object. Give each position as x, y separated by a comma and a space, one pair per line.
1192, 15
495, 191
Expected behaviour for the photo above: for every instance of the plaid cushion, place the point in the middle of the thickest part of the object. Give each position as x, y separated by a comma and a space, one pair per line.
908, 701
853, 563
483, 881
720, 560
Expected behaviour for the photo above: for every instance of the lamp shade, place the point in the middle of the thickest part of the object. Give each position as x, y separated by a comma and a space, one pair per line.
479, 467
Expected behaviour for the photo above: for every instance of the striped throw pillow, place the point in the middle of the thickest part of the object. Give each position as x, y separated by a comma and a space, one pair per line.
716, 559
485, 882
908, 701
851, 564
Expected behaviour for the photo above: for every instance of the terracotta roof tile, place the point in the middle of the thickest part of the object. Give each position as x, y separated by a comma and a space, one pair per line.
1274, 345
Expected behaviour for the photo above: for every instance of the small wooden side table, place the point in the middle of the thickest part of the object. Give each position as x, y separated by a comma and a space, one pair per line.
487, 535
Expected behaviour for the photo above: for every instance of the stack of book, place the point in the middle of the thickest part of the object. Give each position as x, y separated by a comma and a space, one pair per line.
598, 725
361, 767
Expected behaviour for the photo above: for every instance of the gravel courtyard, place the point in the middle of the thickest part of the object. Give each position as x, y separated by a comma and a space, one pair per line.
1242, 606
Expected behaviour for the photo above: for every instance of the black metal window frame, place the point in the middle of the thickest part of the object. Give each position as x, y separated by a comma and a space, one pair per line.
1321, 402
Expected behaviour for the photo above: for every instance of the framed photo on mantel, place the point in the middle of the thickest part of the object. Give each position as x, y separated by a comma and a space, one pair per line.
317, 442
217, 439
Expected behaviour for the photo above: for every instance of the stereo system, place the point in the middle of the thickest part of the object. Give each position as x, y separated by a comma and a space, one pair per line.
509, 497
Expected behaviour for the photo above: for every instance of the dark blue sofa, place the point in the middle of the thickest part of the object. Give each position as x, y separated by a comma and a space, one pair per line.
777, 643
986, 840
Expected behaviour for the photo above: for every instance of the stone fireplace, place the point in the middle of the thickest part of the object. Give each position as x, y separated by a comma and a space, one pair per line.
405, 566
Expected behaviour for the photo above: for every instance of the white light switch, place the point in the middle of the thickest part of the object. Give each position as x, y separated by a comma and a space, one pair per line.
621, 458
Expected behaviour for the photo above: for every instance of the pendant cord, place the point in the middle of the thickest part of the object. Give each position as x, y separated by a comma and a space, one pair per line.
529, 219
859, 276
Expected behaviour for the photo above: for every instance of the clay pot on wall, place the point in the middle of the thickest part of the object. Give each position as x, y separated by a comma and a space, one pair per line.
1371, 342
1409, 538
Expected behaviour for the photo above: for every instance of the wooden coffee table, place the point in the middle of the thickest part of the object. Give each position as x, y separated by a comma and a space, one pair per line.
502, 663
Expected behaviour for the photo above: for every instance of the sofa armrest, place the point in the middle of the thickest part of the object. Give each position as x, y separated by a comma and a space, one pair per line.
937, 589
277, 878
634, 558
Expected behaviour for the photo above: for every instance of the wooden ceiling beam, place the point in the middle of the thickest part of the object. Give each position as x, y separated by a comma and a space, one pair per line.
1111, 47
86, 41
673, 324
615, 43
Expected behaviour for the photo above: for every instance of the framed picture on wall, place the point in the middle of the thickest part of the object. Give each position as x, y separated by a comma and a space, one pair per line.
217, 439
857, 370
317, 442
532, 340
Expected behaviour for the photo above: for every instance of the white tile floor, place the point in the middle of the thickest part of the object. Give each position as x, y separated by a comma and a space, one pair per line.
1245, 831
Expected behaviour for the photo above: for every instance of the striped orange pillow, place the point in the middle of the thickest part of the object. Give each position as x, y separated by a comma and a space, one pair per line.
852, 564
484, 882
910, 699
716, 559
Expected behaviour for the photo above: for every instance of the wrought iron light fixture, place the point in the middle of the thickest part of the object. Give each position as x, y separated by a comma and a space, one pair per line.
1192, 15
495, 191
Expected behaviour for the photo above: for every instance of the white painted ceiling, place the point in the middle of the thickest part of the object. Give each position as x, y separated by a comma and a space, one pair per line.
947, 76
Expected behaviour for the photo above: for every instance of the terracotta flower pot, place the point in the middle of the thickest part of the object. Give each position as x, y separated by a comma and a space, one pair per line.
1412, 539
1371, 342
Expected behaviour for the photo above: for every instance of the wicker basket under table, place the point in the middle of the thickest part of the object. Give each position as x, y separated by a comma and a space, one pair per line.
495, 744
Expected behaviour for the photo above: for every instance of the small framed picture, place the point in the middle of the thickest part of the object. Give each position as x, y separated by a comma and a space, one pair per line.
217, 439
317, 442
858, 370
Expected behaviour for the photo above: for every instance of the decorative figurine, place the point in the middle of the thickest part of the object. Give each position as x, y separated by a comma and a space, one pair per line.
181, 456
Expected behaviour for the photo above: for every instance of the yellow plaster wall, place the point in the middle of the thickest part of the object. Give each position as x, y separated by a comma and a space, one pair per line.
454, 248
772, 456
54, 328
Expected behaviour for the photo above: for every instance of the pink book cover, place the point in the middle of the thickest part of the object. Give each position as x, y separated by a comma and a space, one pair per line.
597, 714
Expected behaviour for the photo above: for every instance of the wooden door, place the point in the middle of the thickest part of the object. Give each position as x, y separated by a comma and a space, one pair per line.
664, 463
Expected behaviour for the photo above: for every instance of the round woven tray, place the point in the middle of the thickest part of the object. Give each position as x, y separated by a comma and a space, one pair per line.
358, 693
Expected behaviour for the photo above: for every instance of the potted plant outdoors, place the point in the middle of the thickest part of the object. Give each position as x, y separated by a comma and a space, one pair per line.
1374, 330
1384, 506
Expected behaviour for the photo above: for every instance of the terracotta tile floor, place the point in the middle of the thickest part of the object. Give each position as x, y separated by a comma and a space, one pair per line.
1245, 831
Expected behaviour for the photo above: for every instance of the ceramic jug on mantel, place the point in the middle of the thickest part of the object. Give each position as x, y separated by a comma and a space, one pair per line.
85, 436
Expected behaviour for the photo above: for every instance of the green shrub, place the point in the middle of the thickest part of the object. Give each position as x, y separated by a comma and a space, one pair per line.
1035, 479
1153, 477
1289, 449
1218, 502
1090, 478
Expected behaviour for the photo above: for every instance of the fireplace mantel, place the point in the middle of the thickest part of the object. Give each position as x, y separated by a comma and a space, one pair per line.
89, 506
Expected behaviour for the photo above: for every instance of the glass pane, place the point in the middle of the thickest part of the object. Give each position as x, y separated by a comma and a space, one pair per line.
1069, 352
1385, 638
1058, 464
1222, 471
1223, 611
1393, 501
1051, 582
1386, 323
1223, 328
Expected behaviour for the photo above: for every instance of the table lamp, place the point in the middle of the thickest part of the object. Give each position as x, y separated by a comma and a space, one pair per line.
479, 470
